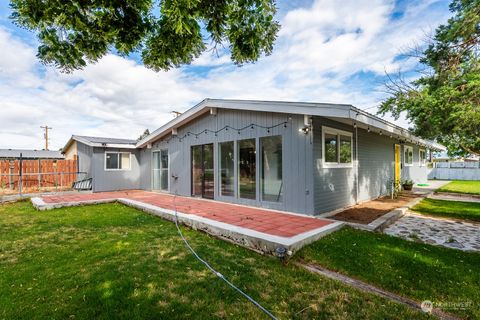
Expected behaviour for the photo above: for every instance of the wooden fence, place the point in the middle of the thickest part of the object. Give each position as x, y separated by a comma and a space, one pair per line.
36, 175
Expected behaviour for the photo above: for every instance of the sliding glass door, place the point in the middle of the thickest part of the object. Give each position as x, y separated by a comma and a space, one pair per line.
247, 168
272, 181
160, 170
227, 168
202, 171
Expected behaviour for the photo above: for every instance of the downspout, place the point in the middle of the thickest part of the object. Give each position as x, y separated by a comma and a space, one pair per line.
356, 164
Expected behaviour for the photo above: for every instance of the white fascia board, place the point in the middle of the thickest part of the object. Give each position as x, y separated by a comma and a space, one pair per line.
185, 117
303, 108
115, 145
81, 140
345, 111
67, 145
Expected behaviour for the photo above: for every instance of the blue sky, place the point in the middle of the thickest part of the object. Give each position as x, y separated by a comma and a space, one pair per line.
327, 51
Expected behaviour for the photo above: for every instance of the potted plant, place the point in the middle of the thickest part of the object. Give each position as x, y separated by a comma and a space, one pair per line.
407, 185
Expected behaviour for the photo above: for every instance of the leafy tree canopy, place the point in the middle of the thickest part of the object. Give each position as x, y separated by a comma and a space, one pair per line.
167, 33
145, 134
444, 103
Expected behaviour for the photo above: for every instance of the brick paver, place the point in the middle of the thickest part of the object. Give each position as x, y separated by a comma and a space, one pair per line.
266, 221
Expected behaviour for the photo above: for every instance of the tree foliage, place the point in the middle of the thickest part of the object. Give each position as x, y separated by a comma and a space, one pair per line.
444, 103
167, 33
145, 134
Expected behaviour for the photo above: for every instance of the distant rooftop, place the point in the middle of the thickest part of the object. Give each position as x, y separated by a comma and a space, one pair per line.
30, 154
103, 140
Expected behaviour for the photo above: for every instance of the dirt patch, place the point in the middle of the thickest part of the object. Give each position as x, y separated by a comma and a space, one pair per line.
369, 211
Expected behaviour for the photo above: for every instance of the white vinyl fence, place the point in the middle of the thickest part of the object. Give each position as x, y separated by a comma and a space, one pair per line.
455, 171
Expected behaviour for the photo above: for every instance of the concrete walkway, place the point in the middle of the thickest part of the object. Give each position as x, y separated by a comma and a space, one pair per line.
259, 229
453, 234
432, 186
454, 197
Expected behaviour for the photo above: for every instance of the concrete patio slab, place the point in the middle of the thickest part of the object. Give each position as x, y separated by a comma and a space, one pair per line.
255, 228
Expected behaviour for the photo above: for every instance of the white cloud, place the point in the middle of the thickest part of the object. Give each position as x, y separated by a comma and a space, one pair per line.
318, 50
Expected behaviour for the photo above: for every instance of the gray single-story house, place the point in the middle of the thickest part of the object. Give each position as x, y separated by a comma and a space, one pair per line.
308, 158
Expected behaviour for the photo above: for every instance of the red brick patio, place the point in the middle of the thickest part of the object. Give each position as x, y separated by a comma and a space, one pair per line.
261, 220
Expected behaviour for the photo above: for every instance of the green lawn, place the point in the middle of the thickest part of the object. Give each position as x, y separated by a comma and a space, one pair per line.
114, 262
411, 269
460, 186
449, 209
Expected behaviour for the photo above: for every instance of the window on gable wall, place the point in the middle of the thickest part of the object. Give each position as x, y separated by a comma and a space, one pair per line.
408, 155
337, 148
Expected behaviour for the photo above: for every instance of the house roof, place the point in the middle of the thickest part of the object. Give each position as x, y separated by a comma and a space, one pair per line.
30, 154
101, 142
342, 112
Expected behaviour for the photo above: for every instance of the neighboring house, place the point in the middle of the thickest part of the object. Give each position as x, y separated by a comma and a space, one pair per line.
113, 164
301, 157
14, 154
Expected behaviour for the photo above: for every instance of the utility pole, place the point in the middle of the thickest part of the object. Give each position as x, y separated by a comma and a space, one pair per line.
45, 135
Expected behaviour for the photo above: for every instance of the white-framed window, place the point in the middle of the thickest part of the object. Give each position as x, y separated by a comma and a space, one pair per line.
422, 157
337, 148
117, 161
408, 155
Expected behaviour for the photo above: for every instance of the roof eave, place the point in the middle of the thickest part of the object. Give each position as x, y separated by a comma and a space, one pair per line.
305, 108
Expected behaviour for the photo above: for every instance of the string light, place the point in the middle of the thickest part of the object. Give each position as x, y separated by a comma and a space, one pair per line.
225, 128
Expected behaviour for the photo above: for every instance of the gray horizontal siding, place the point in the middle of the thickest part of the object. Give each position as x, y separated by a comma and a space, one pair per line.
145, 168
376, 160
334, 188
84, 158
416, 172
115, 180
297, 155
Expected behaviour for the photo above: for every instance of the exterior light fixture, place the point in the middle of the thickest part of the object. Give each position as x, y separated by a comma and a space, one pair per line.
305, 129
368, 129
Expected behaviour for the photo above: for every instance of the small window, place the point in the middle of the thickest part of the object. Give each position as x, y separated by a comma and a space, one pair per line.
337, 148
422, 156
117, 160
408, 155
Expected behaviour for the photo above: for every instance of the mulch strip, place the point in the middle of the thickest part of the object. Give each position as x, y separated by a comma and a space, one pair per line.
369, 211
